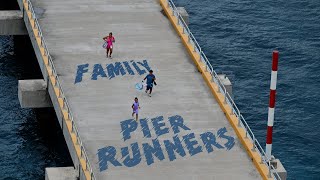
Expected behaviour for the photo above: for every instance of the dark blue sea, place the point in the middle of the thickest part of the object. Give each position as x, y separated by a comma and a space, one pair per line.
30, 139
238, 38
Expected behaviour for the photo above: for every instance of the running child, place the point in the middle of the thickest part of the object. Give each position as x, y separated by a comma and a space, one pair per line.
135, 107
109, 40
150, 80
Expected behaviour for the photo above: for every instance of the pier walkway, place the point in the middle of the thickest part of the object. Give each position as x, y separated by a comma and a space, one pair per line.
183, 132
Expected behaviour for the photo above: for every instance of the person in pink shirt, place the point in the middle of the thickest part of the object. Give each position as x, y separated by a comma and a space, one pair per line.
109, 40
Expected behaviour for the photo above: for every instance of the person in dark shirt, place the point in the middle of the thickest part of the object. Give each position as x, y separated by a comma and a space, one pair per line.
150, 81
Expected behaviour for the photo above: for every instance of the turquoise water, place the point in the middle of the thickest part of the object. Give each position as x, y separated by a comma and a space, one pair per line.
238, 37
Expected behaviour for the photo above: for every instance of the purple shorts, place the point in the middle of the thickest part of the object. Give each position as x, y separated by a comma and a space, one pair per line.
136, 111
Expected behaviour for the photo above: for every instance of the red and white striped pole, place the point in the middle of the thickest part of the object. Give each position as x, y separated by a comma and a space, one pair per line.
272, 102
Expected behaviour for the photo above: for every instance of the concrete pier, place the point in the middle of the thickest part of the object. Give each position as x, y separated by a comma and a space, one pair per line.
227, 83
182, 132
33, 94
184, 14
61, 173
11, 23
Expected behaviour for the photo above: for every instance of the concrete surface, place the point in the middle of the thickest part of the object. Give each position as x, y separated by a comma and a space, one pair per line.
61, 173
11, 23
227, 83
33, 94
73, 31
279, 168
184, 14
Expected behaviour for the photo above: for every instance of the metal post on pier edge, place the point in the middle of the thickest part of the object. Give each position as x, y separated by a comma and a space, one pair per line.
273, 84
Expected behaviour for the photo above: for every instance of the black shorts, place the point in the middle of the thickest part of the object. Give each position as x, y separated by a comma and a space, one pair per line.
149, 87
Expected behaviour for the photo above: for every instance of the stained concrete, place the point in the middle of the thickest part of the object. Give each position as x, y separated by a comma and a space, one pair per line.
11, 23
61, 173
33, 94
73, 31
227, 83
282, 172
184, 14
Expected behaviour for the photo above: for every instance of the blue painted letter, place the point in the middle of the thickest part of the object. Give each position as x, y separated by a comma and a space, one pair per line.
98, 71
145, 65
136, 158
190, 141
158, 124
140, 72
107, 154
145, 128
230, 139
155, 150
176, 122
115, 69
126, 64
127, 127
209, 139
176, 146
83, 68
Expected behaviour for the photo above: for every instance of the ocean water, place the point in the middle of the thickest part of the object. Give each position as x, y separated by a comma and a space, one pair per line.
30, 139
238, 36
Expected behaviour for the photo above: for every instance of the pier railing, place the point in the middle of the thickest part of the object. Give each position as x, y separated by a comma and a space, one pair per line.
63, 103
256, 147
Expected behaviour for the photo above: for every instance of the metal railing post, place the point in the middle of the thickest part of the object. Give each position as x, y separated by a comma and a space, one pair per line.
72, 129
261, 162
225, 96
253, 144
239, 120
231, 113
269, 168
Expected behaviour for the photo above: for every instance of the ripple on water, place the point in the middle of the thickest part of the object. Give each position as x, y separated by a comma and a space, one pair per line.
238, 37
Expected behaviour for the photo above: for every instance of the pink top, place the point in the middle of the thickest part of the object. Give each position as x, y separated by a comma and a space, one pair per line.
110, 41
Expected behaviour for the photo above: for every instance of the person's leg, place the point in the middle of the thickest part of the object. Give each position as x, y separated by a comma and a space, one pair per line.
110, 52
133, 114
147, 89
150, 91
137, 117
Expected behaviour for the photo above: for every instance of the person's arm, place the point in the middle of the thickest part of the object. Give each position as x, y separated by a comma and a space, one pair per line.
132, 106
145, 78
113, 39
154, 80
105, 38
